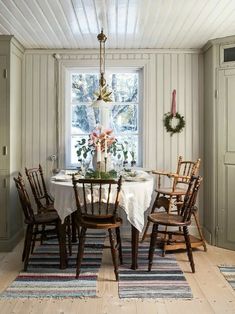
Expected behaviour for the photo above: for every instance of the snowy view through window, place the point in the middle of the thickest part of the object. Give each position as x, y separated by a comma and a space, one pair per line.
123, 109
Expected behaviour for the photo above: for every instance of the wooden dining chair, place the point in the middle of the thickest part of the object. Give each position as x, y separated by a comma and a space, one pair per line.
177, 187
43, 199
97, 204
36, 223
181, 220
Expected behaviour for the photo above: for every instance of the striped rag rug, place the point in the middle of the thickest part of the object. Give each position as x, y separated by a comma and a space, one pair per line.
166, 279
44, 279
229, 273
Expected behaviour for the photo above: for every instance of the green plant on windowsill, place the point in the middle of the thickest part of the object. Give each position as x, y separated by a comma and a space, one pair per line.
84, 148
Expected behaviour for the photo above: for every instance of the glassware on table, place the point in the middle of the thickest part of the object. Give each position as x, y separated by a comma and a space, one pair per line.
85, 163
118, 165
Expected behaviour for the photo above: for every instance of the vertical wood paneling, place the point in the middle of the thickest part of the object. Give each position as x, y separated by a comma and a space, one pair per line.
39, 133
28, 131
188, 108
174, 85
167, 71
151, 114
160, 111
166, 108
43, 107
51, 113
181, 101
36, 125
195, 106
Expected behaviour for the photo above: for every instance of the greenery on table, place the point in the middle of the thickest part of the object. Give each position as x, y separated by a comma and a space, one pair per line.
95, 174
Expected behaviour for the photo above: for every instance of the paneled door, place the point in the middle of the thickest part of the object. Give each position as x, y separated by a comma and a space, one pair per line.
225, 130
3, 113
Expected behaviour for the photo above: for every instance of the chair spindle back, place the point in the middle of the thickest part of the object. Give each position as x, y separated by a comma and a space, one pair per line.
186, 169
24, 198
38, 186
190, 197
96, 199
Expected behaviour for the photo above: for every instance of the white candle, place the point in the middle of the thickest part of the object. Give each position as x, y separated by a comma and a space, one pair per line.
105, 148
98, 152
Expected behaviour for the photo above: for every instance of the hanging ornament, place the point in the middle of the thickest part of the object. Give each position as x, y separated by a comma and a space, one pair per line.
173, 121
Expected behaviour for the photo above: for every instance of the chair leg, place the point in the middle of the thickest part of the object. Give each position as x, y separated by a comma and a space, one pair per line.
68, 231
75, 228
152, 245
189, 248
166, 236
196, 217
43, 233
29, 234
119, 243
34, 235
25, 243
80, 250
113, 252
148, 223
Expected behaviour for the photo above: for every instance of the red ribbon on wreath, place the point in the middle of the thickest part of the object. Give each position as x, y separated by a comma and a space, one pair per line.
173, 106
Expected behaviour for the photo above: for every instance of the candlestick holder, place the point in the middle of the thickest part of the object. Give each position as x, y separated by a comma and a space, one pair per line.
133, 163
99, 168
105, 164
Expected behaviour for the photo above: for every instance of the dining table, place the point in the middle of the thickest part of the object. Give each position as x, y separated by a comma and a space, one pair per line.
135, 199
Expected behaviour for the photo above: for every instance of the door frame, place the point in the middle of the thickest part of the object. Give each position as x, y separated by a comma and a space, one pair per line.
220, 176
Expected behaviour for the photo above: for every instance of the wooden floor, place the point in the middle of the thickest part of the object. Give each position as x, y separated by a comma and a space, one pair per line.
212, 294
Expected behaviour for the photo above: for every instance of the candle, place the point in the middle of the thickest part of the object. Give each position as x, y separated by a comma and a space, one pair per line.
105, 148
98, 152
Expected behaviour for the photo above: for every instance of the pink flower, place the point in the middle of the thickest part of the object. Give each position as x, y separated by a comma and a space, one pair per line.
99, 136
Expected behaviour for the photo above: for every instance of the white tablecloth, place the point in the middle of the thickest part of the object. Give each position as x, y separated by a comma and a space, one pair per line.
135, 199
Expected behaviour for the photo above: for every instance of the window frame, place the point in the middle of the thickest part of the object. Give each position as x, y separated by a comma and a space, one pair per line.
69, 103
127, 59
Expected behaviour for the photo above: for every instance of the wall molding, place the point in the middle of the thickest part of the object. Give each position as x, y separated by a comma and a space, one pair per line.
146, 64
70, 52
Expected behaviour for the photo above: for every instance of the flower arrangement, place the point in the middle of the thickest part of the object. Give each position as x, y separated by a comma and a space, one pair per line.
100, 140
103, 138
103, 141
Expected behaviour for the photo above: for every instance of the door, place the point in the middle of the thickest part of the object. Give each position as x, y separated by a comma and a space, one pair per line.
3, 113
225, 121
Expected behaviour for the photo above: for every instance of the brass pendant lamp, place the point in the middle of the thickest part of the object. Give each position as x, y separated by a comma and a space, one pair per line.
103, 95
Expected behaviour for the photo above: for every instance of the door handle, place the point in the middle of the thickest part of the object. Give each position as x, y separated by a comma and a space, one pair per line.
4, 150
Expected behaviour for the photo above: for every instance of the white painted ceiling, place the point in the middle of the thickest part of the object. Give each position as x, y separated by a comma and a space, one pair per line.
127, 23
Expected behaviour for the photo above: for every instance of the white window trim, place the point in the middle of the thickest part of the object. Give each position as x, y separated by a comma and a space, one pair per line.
67, 63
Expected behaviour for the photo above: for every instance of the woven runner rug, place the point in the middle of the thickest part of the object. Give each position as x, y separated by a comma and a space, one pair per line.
229, 273
44, 279
166, 279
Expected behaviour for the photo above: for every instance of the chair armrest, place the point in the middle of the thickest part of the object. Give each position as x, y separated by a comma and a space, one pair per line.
175, 175
170, 175
163, 173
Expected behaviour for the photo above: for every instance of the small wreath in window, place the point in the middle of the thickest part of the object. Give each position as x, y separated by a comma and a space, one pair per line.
168, 117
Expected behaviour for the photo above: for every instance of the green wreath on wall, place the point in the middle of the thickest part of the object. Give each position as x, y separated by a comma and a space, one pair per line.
168, 123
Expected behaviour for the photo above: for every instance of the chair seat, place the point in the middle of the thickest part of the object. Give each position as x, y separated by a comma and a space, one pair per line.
47, 208
168, 191
105, 223
44, 218
167, 219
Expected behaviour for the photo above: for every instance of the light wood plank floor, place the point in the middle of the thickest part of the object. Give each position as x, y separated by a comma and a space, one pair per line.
212, 294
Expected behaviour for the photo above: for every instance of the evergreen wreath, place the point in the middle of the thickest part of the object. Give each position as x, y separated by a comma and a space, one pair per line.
168, 120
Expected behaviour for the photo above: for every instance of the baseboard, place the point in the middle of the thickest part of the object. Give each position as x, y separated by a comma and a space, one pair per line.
7, 245
208, 236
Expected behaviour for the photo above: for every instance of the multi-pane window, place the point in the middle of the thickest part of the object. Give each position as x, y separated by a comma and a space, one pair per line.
82, 118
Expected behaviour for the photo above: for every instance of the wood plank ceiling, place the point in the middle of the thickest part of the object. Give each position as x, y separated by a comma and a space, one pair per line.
127, 23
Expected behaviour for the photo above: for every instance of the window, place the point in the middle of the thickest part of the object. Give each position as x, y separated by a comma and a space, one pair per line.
82, 118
